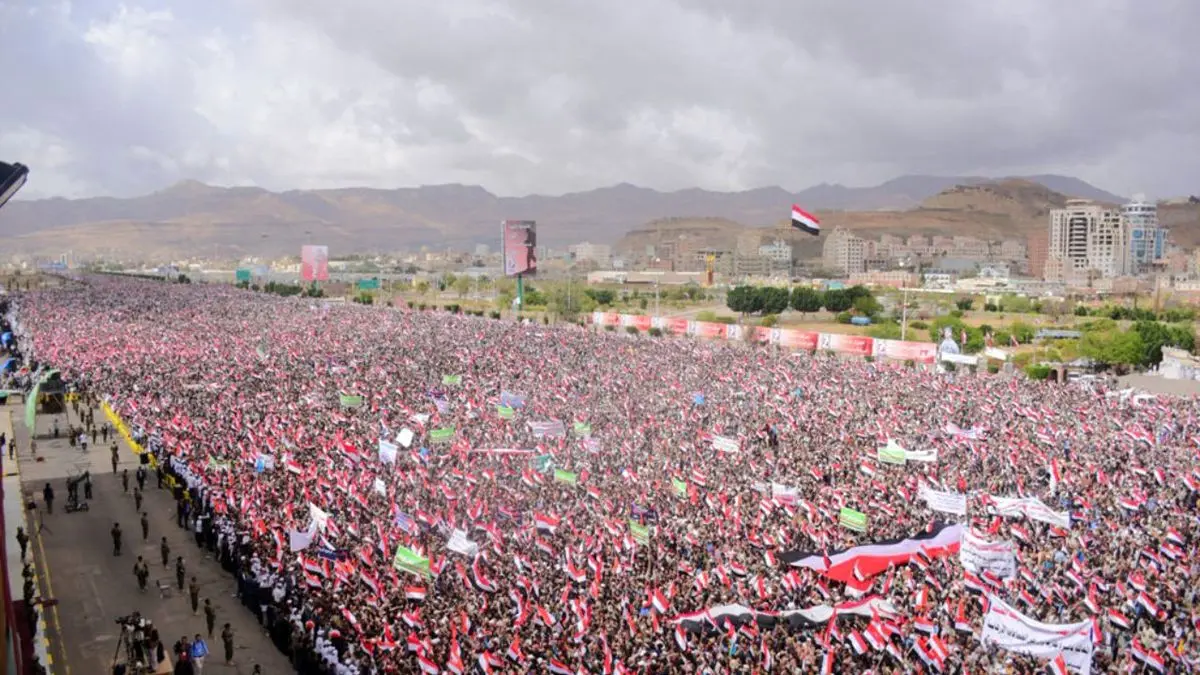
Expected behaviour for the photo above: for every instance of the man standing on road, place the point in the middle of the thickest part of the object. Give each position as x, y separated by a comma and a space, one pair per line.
180, 572
194, 594
115, 457
210, 616
142, 573
23, 541
48, 496
165, 549
145, 526
125, 480
227, 642
116, 535
137, 499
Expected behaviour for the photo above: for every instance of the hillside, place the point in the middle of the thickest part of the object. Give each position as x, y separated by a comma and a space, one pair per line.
191, 217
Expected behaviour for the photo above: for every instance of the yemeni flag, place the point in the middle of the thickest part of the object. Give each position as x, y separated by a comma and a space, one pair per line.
803, 220
874, 558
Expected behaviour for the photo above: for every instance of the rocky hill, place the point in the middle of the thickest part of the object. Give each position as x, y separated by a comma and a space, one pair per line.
191, 217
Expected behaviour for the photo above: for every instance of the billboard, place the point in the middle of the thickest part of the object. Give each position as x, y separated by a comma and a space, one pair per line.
314, 263
519, 239
242, 274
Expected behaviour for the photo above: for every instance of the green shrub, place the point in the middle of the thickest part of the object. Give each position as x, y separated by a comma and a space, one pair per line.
632, 330
918, 325
610, 328
654, 331
494, 315
956, 313
843, 317
869, 358
422, 307
1037, 371
993, 367
909, 363
769, 320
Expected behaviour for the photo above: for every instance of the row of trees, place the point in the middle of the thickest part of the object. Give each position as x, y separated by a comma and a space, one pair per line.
775, 300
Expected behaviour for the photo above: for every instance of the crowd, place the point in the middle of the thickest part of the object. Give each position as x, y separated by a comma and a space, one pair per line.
424, 492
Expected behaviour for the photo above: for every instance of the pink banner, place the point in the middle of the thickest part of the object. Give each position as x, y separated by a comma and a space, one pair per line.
612, 319
641, 322
798, 339
709, 329
855, 345
920, 352
762, 334
677, 326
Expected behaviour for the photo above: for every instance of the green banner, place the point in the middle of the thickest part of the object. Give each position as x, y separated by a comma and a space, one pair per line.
407, 560
350, 400
242, 275
680, 487
852, 520
443, 435
505, 412
568, 477
542, 463
219, 465
640, 533
452, 379
583, 429
368, 284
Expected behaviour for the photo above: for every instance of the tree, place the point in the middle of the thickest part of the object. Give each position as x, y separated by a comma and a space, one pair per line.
773, 300
805, 300
602, 296
1022, 331
744, 300
1113, 347
462, 286
867, 305
836, 300
964, 304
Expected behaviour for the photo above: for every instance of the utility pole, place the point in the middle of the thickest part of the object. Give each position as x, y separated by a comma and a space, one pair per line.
656, 297
903, 313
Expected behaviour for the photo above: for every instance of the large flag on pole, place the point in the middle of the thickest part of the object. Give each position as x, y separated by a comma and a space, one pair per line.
803, 220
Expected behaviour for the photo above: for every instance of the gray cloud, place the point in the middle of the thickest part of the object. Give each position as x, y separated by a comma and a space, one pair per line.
530, 96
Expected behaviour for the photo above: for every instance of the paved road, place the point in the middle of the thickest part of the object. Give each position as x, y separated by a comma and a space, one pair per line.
93, 587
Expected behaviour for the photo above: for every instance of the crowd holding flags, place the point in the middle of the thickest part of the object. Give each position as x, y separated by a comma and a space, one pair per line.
631, 540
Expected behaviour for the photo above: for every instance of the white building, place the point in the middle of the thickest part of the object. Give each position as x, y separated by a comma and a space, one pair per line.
777, 252
1086, 241
1147, 241
844, 252
598, 253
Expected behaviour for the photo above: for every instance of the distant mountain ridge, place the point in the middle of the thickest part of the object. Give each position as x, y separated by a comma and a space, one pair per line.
191, 217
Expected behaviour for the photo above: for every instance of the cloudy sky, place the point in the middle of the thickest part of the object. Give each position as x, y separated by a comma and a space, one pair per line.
550, 96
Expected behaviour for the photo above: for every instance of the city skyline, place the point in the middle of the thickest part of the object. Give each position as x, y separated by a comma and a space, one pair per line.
126, 98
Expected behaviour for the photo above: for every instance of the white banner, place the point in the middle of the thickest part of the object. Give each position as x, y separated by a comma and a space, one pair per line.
921, 455
1032, 508
726, 444
978, 555
1008, 629
945, 502
387, 452
461, 543
785, 493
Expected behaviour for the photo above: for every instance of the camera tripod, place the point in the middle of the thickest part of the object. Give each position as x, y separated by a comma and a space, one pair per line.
134, 662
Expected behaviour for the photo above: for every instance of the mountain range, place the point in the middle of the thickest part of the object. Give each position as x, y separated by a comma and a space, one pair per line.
192, 218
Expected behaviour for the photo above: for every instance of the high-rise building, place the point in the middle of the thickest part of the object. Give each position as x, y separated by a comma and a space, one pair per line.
844, 252
1147, 241
1038, 247
1086, 240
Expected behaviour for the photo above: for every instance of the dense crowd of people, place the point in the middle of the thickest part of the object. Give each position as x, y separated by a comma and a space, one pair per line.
427, 492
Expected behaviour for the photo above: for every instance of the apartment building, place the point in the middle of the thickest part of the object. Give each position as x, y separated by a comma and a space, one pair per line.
844, 252
1087, 241
598, 253
1147, 241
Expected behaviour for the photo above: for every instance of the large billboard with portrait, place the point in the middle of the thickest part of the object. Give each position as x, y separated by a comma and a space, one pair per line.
519, 239
314, 263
